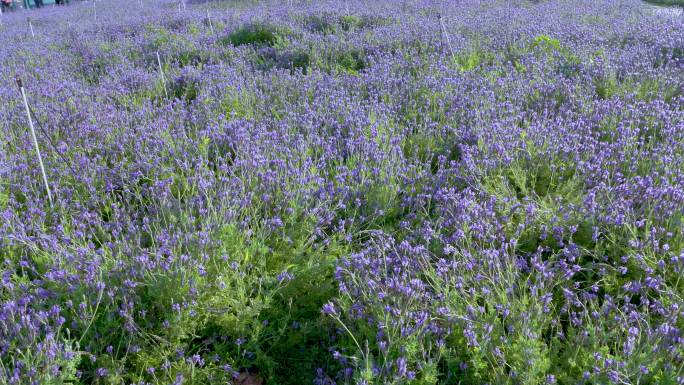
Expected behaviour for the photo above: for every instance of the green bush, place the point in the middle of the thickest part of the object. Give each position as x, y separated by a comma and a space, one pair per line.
256, 34
666, 2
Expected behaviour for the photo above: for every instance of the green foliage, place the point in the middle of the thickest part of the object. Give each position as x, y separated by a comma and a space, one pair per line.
472, 59
4, 196
644, 88
351, 61
296, 60
431, 150
176, 46
666, 2
320, 23
546, 43
243, 308
350, 22
606, 87
278, 320
184, 89
235, 104
346, 61
257, 34
332, 24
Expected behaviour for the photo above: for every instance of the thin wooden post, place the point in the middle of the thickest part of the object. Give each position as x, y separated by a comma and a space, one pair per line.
446, 35
35, 140
161, 74
211, 26
33, 35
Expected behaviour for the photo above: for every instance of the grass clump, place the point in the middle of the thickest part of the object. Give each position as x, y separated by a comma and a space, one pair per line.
292, 59
295, 59
666, 2
327, 23
350, 22
335, 61
185, 87
321, 23
256, 34
472, 59
350, 61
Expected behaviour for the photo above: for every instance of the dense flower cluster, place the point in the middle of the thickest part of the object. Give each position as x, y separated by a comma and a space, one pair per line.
343, 192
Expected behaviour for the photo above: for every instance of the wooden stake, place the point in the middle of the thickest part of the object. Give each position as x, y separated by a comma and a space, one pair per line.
446, 35
31, 27
35, 140
161, 73
211, 26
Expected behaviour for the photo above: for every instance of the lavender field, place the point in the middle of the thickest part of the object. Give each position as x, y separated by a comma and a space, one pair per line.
342, 192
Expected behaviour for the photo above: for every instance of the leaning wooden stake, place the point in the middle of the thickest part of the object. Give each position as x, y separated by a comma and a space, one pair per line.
31, 27
211, 26
446, 35
161, 73
35, 140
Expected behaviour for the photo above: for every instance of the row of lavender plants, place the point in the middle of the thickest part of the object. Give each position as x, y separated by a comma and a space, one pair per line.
343, 192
